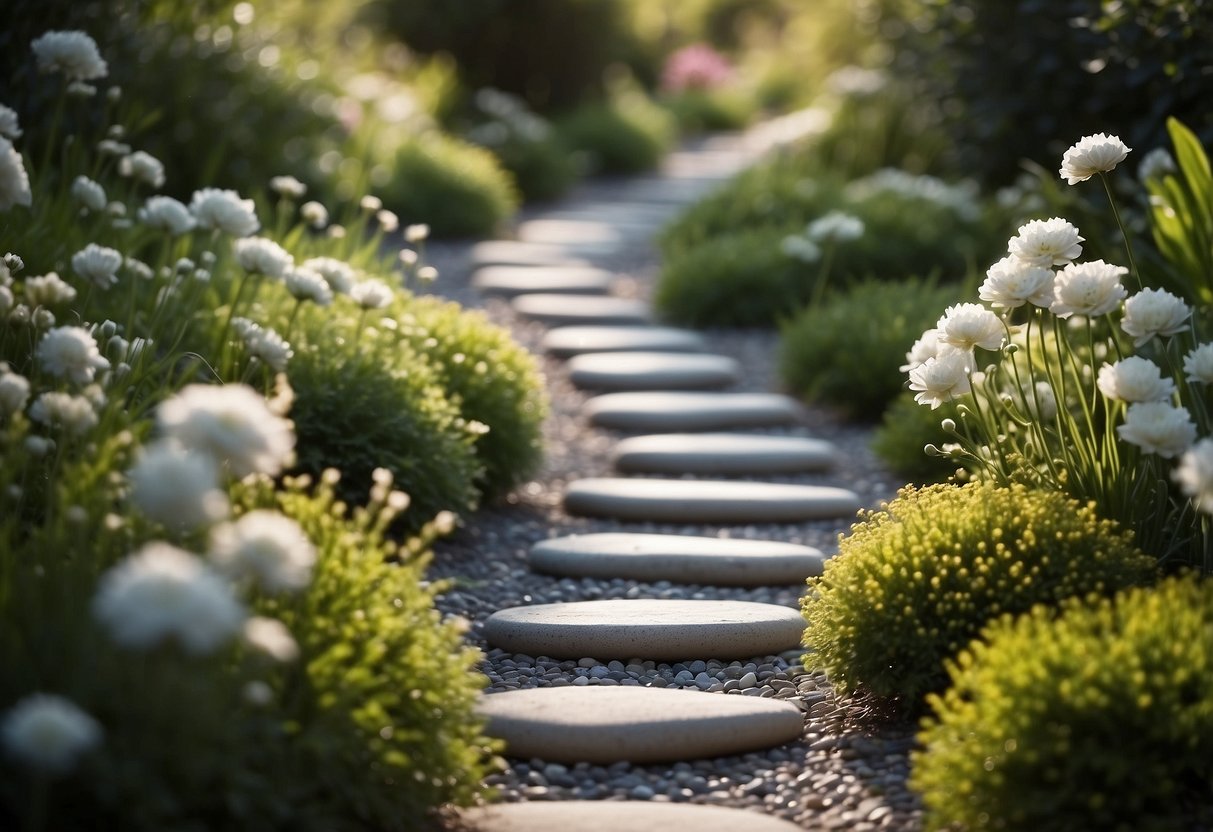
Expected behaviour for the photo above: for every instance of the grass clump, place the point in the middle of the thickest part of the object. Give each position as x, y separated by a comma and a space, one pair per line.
916, 581
1100, 718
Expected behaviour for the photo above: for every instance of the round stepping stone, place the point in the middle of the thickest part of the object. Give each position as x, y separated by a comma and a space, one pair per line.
515, 253
606, 725
721, 453
568, 341
677, 558
707, 501
657, 630
616, 816
520, 280
686, 410
578, 235
559, 310
651, 371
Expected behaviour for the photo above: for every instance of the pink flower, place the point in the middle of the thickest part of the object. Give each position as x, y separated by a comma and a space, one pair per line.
695, 67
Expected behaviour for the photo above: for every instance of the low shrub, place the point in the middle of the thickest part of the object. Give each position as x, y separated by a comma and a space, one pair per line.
905, 431
627, 134
916, 581
698, 110
524, 143
1101, 718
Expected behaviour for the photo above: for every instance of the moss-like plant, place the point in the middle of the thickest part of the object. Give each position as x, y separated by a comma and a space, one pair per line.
905, 431
916, 581
1101, 718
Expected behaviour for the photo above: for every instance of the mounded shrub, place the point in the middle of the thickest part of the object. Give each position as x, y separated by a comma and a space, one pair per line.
916, 581
526, 145
906, 429
702, 110
628, 134
1101, 718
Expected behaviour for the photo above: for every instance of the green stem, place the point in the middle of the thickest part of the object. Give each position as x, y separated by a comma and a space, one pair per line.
1103, 177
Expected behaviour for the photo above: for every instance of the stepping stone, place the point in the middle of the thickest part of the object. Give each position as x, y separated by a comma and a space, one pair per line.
576, 235
568, 341
707, 501
652, 371
559, 310
684, 410
520, 280
721, 453
605, 725
677, 558
657, 630
616, 816
515, 253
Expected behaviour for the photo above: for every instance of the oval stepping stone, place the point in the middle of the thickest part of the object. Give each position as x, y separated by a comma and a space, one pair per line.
652, 371
605, 725
687, 410
721, 453
707, 501
519, 280
576, 234
558, 310
515, 253
617, 816
658, 630
573, 340
677, 558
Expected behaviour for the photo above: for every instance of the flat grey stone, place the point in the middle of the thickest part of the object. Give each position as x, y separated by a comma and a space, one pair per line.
560, 310
515, 253
688, 410
677, 558
575, 234
721, 453
652, 371
520, 280
707, 501
656, 630
617, 816
568, 341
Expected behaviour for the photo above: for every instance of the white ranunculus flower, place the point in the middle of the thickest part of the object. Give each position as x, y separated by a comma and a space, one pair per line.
1154, 312
72, 54
287, 186
1087, 289
1134, 379
14, 393
160, 593
109, 147
1012, 282
166, 214
797, 246
314, 214
308, 284
927, 346
388, 221
968, 325
177, 488
75, 414
143, 167
268, 547
1198, 364
48, 732
224, 211
1158, 428
415, 233
1195, 475
939, 380
371, 294
1044, 243
1099, 153
271, 637
370, 204
262, 256
48, 290
268, 346
89, 193
70, 352
836, 226
427, 274
97, 264
337, 273
1156, 164
232, 423
14, 182
10, 126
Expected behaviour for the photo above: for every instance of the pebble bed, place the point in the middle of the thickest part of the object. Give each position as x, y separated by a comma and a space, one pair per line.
848, 770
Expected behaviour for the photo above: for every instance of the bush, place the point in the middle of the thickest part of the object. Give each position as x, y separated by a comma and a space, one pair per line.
914, 582
629, 134
1101, 718
698, 111
525, 144
866, 332
906, 429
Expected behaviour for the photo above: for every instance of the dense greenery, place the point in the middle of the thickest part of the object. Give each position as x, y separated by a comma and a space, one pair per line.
904, 432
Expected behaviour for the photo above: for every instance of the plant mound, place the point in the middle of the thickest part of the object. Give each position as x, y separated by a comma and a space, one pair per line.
1101, 718
915, 582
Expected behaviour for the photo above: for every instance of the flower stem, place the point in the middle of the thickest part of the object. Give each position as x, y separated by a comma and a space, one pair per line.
1103, 177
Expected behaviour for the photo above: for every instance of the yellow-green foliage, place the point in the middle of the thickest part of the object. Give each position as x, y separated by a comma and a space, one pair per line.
917, 580
1101, 718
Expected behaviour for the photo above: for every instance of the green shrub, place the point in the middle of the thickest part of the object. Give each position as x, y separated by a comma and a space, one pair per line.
914, 582
628, 134
1101, 718
906, 429
865, 332
525, 144
698, 111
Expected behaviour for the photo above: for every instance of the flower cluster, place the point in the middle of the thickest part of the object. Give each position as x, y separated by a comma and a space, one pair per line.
695, 67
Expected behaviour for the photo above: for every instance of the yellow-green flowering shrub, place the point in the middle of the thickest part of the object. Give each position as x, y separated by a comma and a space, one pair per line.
1098, 718
915, 581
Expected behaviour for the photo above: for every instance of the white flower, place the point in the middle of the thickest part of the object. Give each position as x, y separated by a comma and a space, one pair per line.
337, 273
1012, 282
371, 294
74, 54
1195, 475
1153, 312
6, 300
408, 257
81, 89
166, 214
308, 284
270, 636
835, 226
799, 247
927, 346
177, 488
1158, 428
1040, 400
224, 211
144, 167
47, 290
416, 233
266, 546
287, 186
1134, 379
88, 193
48, 732
1156, 164
14, 393
1088, 289
70, 352
267, 345
109, 147
97, 264
161, 592
969, 325
14, 182
370, 204
74, 414
1099, 153
938, 380
314, 214
262, 256
1052, 242
427, 274
388, 221
232, 423
1198, 364
10, 127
